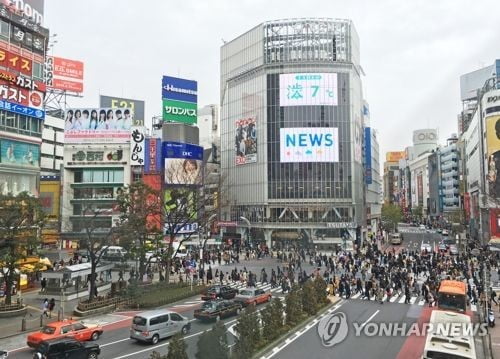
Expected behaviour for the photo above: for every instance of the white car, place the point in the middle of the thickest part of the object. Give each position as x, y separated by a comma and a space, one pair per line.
426, 247
444, 232
453, 250
151, 257
422, 227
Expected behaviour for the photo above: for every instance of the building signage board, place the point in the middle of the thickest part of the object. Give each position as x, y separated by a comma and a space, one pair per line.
304, 144
137, 106
97, 125
64, 74
246, 141
22, 110
177, 89
308, 89
368, 156
183, 163
493, 153
179, 111
96, 157
28, 98
153, 157
341, 225
31, 9
183, 229
395, 156
21, 81
19, 153
137, 150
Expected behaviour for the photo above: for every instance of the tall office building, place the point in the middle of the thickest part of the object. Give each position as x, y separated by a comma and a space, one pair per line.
292, 131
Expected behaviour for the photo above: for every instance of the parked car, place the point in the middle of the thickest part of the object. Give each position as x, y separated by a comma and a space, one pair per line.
426, 247
151, 326
252, 296
219, 291
217, 309
65, 328
67, 348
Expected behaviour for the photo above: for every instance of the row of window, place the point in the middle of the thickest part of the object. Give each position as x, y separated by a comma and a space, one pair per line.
98, 176
22, 124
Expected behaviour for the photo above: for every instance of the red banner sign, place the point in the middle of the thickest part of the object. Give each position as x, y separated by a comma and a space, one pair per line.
33, 99
16, 62
67, 85
21, 81
68, 68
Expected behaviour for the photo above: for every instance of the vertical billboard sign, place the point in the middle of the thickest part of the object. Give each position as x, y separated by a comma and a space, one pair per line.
136, 106
183, 163
246, 141
180, 100
137, 137
304, 144
368, 155
97, 125
308, 89
493, 153
152, 159
420, 190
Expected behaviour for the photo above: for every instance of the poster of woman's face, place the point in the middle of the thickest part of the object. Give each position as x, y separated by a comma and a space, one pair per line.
183, 171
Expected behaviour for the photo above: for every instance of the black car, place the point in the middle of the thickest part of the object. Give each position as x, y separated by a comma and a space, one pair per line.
219, 291
217, 309
3, 354
64, 348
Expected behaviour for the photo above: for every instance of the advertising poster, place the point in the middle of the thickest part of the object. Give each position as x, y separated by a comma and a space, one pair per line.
19, 153
420, 190
317, 144
246, 141
64, 74
25, 97
179, 111
368, 155
493, 153
98, 125
136, 106
137, 137
395, 156
183, 163
308, 89
181, 203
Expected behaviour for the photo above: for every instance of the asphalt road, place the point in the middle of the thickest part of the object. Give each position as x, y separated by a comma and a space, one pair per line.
309, 345
413, 237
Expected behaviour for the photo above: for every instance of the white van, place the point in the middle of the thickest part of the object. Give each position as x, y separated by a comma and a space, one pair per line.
396, 238
113, 253
158, 324
438, 345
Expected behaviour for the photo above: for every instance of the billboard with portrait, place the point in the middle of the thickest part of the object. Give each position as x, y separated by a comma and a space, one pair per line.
304, 144
183, 163
64, 74
493, 153
137, 106
98, 125
246, 141
19, 153
308, 89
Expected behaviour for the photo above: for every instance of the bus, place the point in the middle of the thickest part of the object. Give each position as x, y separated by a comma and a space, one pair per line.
441, 344
452, 295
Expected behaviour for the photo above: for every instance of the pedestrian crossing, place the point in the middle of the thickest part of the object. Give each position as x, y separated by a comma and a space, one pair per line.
259, 285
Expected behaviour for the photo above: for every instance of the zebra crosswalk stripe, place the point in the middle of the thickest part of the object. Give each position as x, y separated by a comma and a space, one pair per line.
413, 300
402, 300
393, 298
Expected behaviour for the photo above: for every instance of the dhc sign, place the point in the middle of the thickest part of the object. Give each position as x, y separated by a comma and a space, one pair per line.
318, 144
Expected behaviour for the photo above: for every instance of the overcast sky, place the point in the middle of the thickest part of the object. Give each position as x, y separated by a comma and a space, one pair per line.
413, 52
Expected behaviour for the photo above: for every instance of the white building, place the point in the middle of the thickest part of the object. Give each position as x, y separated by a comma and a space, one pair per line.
52, 149
419, 175
208, 123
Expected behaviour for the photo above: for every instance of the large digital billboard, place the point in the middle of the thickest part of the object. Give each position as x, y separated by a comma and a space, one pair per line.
177, 89
308, 89
98, 125
19, 153
493, 152
305, 144
179, 111
183, 163
137, 106
368, 155
246, 141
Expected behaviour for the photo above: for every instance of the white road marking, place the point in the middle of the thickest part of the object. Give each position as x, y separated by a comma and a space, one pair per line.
368, 320
413, 300
278, 349
393, 298
473, 307
421, 302
356, 295
402, 300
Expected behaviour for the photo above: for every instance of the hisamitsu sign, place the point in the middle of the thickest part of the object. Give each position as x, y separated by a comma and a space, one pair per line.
177, 89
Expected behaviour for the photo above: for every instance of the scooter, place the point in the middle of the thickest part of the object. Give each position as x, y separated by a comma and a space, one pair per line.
491, 319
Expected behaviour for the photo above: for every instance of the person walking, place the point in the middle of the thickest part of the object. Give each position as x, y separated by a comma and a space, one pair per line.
45, 307
52, 304
43, 283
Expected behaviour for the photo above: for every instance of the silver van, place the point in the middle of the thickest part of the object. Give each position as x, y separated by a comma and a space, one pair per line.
158, 324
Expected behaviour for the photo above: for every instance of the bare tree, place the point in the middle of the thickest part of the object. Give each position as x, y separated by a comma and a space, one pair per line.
21, 219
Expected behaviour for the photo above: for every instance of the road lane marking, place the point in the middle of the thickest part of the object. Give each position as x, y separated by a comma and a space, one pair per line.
473, 307
368, 320
421, 302
356, 295
277, 349
402, 300
393, 298
413, 300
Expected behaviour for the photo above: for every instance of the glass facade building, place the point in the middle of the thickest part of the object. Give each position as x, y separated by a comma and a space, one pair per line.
261, 72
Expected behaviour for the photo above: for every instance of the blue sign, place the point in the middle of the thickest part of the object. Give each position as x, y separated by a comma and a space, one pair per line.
368, 155
173, 88
22, 110
182, 150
